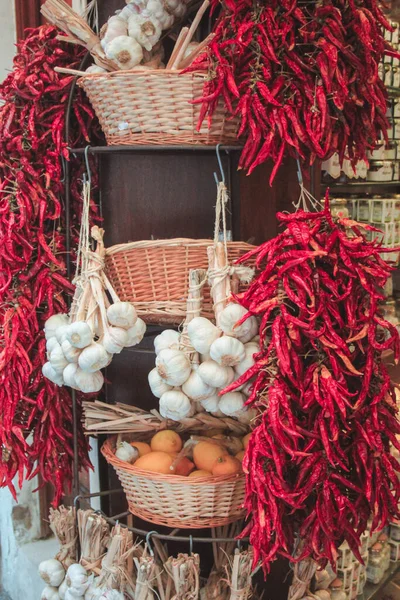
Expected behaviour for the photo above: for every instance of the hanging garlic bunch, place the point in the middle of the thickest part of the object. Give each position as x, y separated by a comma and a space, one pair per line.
79, 346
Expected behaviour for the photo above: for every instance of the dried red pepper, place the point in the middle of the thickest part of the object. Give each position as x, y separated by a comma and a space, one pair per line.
318, 463
36, 416
301, 76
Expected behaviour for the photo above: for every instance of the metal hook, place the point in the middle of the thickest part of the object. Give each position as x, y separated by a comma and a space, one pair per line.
221, 168
191, 545
299, 173
239, 545
89, 173
148, 536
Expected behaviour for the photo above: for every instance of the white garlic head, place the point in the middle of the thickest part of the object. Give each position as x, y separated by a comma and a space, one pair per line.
210, 404
145, 30
50, 345
196, 389
157, 384
214, 375
173, 366
50, 593
52, 375
62, 590
53, 323
95, 69
167, 340
127, 453
114, 27
93, 358
77, 578
175, 405
248, 361
227, 351
70, 352
125, 51
114, 339
79, 334
52, 572
89, 383
61, 333
135, 333
69, 374
155, 8
57, 359
122, 314
232, 404
202, 333
228, 322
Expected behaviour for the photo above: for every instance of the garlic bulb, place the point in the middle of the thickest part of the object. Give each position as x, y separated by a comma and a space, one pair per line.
79, 334
95, 69
114, 340
146, 31
52, 572
157, 384
196, 389
52, 375
77, 579
214, 375
250, 334
112, 595
173, 366
136, 333
202, 333
232, 404
93, 592
155, 8
50, 593
61, 333
122, 314
114, 27
175, 405
62, 590
168, 339
93, 358
248, 361
177, 7
229, 318
227, 351
127, 453
69, 374
89, 383
132, 8
210, 404
50, 345
72, 594
57, 359
53, 323
70, 352
125, 51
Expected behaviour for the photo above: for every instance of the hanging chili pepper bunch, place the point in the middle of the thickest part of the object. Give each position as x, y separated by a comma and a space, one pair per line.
318, 463
32, 257
302, 77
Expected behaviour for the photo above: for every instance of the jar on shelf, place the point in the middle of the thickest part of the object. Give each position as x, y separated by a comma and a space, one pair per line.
388, 289
331, 170
395, 525
394, 551
337, 591
395, 33
395, 75
375, 565
381, 209
380, 170
346, 575
339, 208
396, 207
396, 107
352, 206
361, 584
364, 210
383, 539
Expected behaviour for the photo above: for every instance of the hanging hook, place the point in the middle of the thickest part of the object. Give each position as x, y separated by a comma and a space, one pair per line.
221, 168
191, 545
299, 173
148, 544
239, 545
89, 173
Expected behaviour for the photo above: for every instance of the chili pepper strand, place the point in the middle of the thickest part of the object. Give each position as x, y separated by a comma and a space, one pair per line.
36, 434
318, 465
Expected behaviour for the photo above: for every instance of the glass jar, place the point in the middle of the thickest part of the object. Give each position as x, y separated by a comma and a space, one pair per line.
395, 525
396, 207
364, 210
383, 539
380, 170
337, 591
394, 551
381, 209
339, 208
375, 565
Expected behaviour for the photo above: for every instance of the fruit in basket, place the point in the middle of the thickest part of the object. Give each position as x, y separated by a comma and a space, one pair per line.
141, 447
246, 440
166, 441
232, 444
199, 473
206, 453
226, 465
157, 462
184, 467
127, 453
240, 455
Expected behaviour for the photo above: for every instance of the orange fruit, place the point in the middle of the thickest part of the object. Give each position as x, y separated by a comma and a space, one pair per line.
245, 440
157, 462
142, 448
240, 455
226, 465
166, 441
200, 473
184, 467
205, 454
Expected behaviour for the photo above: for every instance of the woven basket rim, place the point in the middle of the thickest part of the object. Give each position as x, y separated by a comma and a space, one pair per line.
173, 242
144, 72
110, 457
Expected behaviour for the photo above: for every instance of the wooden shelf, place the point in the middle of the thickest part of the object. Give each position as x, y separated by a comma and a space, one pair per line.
361, 187
142, 149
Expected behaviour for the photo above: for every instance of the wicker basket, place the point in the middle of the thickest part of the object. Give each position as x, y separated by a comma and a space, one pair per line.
177, 501
154, 275
155, 107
